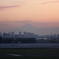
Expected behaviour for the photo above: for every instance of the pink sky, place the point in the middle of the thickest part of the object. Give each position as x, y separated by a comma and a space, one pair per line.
50, 2
41, 11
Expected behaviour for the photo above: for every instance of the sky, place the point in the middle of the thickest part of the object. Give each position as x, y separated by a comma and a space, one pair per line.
38, 13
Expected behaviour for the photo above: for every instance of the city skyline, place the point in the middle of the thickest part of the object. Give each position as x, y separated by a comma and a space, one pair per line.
25, 35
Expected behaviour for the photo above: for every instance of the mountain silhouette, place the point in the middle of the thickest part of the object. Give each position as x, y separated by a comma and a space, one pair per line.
27, 28
43, 31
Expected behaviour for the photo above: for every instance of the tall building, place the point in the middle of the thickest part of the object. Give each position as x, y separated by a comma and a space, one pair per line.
0, 34
20, 33
12, 35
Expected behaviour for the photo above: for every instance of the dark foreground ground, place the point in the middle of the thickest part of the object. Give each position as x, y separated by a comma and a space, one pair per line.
29, 53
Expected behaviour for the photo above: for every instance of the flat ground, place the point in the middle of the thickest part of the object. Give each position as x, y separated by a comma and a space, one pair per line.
29, 53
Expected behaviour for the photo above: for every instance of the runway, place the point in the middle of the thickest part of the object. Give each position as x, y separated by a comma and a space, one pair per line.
31, 45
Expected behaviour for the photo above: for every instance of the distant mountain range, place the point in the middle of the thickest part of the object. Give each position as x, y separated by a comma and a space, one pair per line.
40, 31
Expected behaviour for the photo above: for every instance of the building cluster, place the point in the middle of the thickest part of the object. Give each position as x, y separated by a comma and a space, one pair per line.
20, 35
27, 37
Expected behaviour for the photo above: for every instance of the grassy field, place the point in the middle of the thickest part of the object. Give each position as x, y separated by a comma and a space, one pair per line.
17, 51
31, 57
29, 51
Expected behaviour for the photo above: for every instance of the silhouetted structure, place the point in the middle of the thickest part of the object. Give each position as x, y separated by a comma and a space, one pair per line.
18, 40
0, 39
7, 40
26, 40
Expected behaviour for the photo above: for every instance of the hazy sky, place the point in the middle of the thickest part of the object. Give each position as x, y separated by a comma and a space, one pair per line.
39, 13
33, 10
